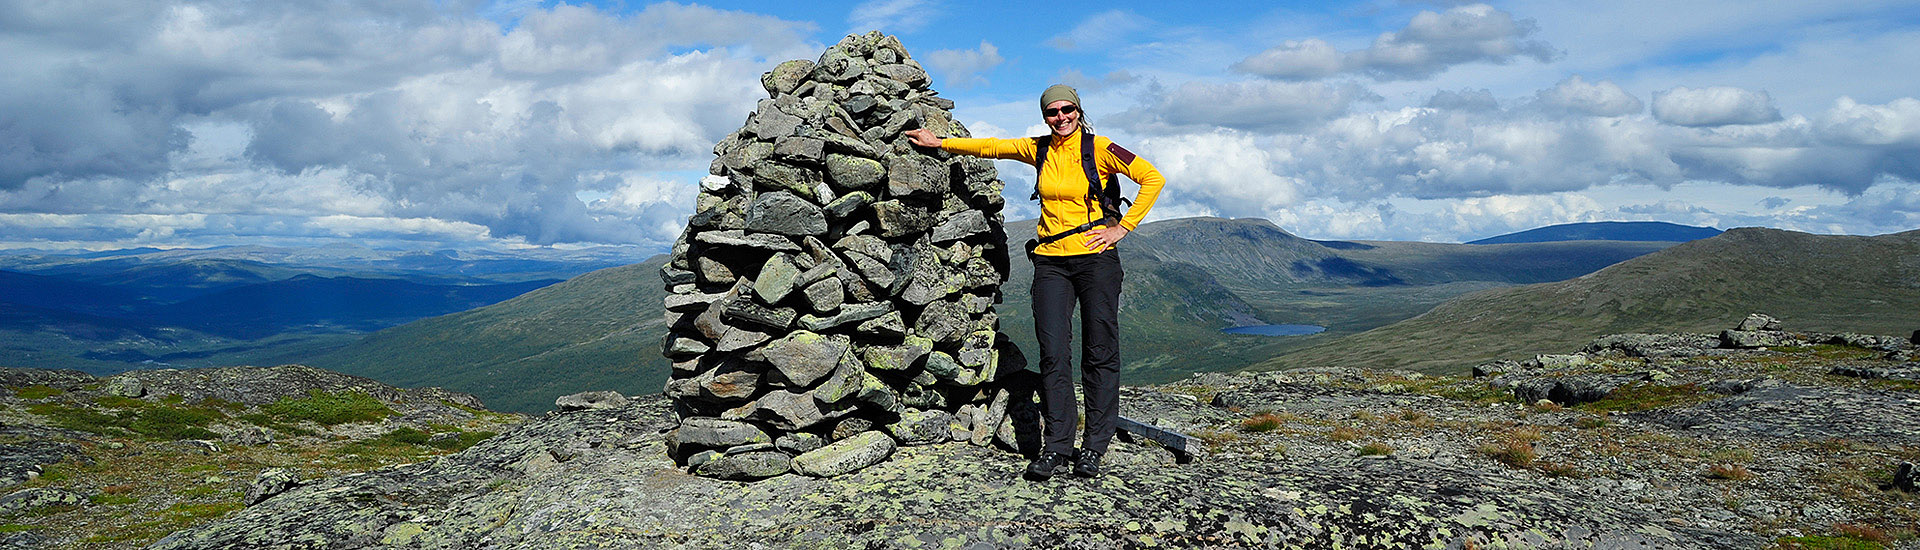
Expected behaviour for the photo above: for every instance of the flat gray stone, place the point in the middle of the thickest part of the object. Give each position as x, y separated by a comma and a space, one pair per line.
846, 455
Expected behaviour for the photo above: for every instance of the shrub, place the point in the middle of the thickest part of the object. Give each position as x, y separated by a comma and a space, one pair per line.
331, 408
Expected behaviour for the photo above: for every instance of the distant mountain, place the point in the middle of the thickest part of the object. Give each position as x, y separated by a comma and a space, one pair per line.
310, 303
1605, 231
1834, 283
57, 293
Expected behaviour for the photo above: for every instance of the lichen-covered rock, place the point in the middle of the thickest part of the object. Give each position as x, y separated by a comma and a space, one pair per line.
747, 466
603, 399
38, 498
922, 427
845, 455
270, 482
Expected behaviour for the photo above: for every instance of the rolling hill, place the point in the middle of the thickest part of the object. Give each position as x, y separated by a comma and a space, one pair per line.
1834, 283
600, 330
1605, 231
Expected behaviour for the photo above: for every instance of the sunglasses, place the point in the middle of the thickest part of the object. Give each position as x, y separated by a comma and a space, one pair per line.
1063, 110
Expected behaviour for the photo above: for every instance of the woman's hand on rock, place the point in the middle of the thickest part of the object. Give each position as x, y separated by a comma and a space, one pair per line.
922, 137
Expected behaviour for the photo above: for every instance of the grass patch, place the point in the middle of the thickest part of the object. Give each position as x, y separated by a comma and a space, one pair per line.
1560, 469
1344, 433
1730, 472
1640, 396
1591, 422
1512, 453
1515, 447
1216, 439
404, 442
136, 418
15, 527
1827, 542
41, 391
1263, 422
106, 499
1417, 418
330, 409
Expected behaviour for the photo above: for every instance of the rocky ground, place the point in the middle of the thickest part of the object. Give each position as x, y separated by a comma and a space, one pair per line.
1662, 441
120, 462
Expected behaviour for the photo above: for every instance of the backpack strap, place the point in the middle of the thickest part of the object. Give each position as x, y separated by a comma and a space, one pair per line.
1107, 196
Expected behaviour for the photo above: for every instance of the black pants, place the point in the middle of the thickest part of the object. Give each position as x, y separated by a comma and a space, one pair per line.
1092, 281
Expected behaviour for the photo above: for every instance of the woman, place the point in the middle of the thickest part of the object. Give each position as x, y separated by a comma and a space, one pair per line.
1074, 260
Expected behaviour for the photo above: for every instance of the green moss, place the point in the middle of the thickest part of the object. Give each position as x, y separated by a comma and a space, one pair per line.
37, 392
105, 499
15, 527
331, 408
1641, 396
82, 419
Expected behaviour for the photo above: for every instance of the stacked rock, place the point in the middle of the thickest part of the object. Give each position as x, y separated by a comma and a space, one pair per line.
833, 295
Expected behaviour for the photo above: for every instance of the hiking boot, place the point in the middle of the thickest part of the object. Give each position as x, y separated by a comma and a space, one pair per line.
1048, 464
1088, 464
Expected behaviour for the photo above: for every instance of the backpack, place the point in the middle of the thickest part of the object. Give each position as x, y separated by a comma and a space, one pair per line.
1108, 195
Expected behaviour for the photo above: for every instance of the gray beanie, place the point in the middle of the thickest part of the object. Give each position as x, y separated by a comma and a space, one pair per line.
1058, 92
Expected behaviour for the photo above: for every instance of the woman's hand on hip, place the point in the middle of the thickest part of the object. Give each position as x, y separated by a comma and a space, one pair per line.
922, 137
1100, 239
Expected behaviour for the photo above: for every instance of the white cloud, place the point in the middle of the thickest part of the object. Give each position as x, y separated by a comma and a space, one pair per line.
1296, 60
1429, 44
1603, 98
1100, 30
1896, 123
963, 68
1228, 172
315, 118
892, 16
1713, 106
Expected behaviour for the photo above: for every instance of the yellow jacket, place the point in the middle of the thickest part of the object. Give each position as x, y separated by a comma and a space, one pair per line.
1063, 184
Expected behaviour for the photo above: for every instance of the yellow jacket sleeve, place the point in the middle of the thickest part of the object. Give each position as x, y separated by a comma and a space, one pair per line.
1062, 184
1113, 158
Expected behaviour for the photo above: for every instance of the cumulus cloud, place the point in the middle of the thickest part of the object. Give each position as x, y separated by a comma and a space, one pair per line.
411, 115
963, 67
1713, 106
1603, 98
1227, 171
1430, 43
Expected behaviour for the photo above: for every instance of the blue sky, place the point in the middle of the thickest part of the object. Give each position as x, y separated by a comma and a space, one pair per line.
436, 123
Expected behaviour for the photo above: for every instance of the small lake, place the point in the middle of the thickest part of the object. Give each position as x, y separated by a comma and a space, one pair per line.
1277, 330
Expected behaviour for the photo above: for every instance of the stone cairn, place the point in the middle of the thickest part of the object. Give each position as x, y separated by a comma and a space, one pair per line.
833, 295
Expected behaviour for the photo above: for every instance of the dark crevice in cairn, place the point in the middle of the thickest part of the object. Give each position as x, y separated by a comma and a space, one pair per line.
833, 294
